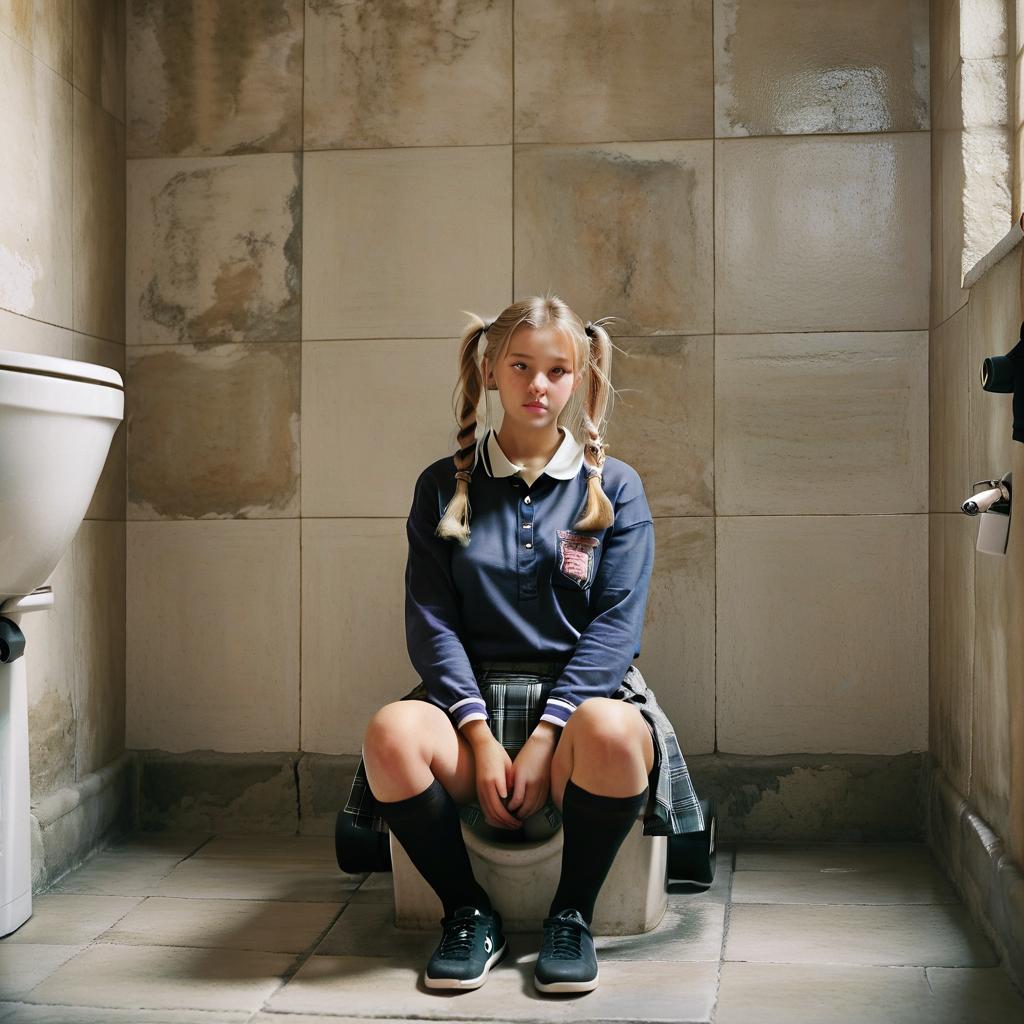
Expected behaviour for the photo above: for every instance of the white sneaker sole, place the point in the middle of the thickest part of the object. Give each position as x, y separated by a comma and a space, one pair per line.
466, 983
567, 986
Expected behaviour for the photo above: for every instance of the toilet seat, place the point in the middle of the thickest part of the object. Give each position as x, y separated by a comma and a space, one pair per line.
64, 369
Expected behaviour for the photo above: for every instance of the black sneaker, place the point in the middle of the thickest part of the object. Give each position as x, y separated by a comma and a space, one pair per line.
472, 943
567, 960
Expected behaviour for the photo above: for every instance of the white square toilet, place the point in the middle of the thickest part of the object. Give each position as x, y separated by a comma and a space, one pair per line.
521, 879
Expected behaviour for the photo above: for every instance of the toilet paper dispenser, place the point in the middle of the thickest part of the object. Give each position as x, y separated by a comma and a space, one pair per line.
992, 503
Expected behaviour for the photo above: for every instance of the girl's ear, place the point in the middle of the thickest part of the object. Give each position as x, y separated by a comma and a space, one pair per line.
488, 376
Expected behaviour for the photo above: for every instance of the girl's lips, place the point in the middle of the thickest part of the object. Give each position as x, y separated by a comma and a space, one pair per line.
534, 405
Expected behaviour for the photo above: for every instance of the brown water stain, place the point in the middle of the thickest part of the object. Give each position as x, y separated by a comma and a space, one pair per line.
213, 431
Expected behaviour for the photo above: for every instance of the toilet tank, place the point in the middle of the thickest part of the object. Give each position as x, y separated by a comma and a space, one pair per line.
57, 420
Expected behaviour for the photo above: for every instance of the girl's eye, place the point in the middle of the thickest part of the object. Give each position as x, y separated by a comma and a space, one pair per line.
561, 369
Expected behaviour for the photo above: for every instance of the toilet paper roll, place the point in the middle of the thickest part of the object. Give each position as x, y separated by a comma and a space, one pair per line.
1005, 374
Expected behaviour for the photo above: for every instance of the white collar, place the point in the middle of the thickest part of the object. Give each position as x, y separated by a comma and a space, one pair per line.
563, 465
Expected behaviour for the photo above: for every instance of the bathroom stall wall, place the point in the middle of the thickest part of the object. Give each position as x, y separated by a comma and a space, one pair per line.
976, 733
315, 192
62, 126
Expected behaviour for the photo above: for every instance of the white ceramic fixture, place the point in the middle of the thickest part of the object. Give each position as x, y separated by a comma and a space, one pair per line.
57, 419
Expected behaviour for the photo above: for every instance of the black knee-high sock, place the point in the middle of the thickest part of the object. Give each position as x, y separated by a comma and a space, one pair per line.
594, 827
427, 825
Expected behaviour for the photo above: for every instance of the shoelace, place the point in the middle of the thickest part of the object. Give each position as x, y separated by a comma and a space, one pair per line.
562, 939
457, 940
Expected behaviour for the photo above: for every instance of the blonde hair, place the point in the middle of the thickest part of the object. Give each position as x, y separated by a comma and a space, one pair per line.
584, 415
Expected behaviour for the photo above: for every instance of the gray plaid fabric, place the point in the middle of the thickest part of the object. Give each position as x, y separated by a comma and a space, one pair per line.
515, 693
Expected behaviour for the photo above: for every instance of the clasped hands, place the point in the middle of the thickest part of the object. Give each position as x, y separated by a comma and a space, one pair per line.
510, 791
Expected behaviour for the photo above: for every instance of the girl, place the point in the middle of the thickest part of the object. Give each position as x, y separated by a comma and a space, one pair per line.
524, 639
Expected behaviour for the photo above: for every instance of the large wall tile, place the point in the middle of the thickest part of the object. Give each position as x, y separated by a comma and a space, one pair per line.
214, 249
821, 423
822, 634
379, 75
613, 72
43, 27
213, 431
951, 378
677, 651
99, 221
99, 629
994, 318
108, 500
23, 334
100, 41
354, 657
800, 66
951, 542
944, 48
209, 79
661, 424
993, 325
213, 635
822, 233
397, 239
998, 613
952, 294
374, 415
623, 230
935, 232
35, 231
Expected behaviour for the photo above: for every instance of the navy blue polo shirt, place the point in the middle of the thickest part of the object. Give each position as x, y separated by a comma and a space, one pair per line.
528, 586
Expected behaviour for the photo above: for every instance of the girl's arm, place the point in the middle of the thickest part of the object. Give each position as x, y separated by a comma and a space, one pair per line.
611, 640
432, 616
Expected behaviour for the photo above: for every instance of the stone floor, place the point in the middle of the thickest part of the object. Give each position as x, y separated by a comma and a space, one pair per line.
197, 928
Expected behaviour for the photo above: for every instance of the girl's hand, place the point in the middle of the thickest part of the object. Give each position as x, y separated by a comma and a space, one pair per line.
493, 782
532, 771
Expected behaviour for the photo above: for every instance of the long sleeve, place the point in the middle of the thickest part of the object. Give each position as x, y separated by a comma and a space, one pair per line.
432, 617
611, 640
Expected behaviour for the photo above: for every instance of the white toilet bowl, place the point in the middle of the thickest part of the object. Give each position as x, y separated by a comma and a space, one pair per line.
57, 419
521, 878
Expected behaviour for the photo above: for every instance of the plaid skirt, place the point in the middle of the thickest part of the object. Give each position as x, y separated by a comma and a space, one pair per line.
515, 693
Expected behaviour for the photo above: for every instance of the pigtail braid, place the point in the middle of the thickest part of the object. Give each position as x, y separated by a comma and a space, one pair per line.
454, 522
598, 513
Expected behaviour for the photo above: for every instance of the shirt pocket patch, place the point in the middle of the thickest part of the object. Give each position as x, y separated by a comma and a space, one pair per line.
574, 559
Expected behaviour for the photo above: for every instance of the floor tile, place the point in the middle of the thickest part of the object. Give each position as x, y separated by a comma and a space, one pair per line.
292, 849
117, 874
167, 844
903, 885
164, 978
368, 929
752, 993
24, 965
71, 918
371, 986
269, 926
35, 1013
940, 936
254, 879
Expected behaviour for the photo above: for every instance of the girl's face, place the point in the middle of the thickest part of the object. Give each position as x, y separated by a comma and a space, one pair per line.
534, 376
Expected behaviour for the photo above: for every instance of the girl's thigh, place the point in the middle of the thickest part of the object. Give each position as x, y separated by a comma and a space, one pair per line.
415, 730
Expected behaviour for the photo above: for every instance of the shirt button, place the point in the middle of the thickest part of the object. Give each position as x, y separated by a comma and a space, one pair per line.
527, 499
527, 526
527, 545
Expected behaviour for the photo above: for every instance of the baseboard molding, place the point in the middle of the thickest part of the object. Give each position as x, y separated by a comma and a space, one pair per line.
988, 880
69, 825
792, 798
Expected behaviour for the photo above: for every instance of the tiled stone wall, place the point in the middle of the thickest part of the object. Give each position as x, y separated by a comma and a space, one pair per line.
976, 698
315, 193
62, 231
